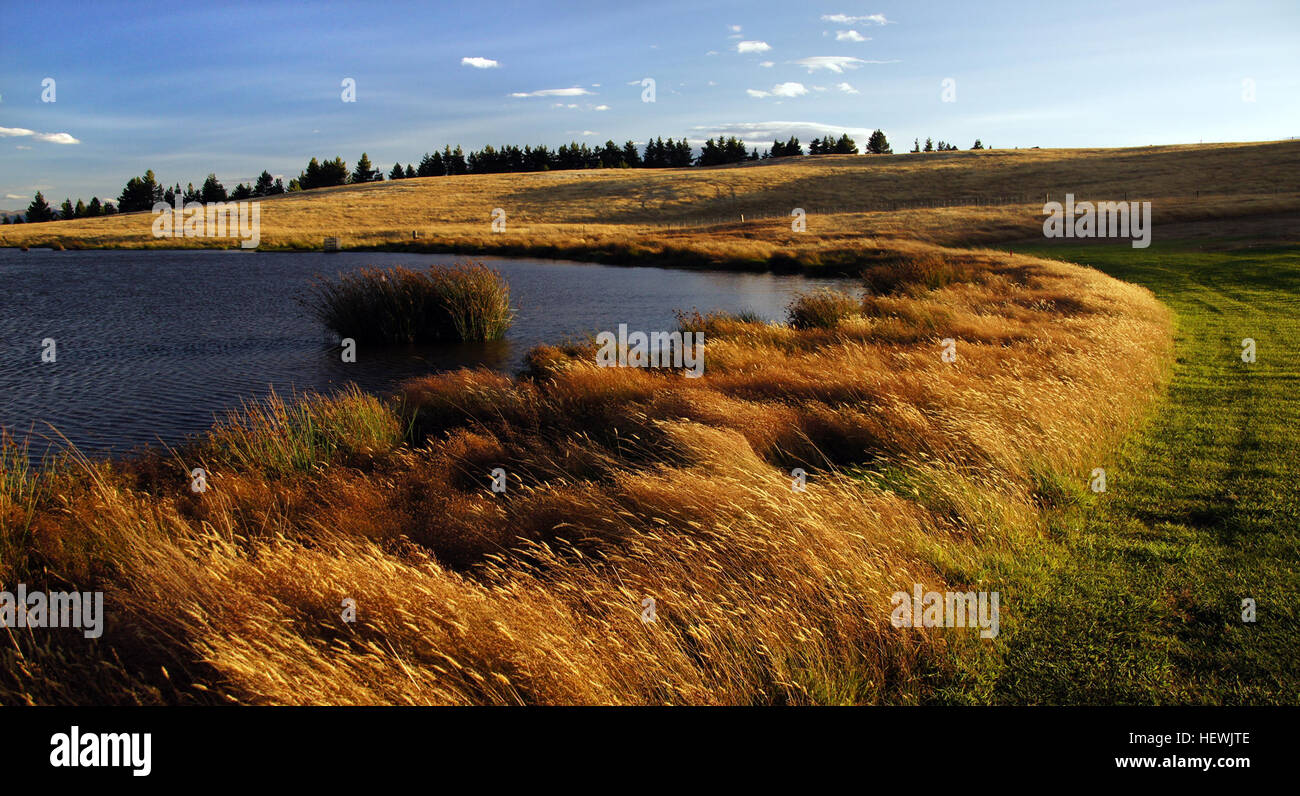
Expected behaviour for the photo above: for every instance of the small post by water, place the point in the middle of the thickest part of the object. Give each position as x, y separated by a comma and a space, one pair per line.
331, 244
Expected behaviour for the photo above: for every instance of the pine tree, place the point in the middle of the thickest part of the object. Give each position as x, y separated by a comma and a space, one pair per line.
364, 172
877, 144
213, 191
410, 171
398, 173
39, 210
264, 184
66, 211
80, 210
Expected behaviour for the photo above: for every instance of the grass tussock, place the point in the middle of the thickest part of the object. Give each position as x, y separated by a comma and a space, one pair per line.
467, 302
822, 309
621, 486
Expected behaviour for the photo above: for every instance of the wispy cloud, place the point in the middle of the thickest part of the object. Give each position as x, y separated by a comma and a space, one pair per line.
479, 63
780, 90
553, 92
14, 196
845, 19
835, 63
763, 133
752, 47
767, 64
846, 88
49, 138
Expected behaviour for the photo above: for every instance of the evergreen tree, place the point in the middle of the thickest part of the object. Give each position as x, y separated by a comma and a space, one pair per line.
94, 209
410, 171
929, 145
455, 160
978, 145
67, 212
242, 192
80, 210
39, 210
333, 172
631, 157
364, 172
265, 184
877, 144
398, 173
140, 193
213, 191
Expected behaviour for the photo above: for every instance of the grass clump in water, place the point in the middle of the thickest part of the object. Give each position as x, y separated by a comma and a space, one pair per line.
822, 309
465, 302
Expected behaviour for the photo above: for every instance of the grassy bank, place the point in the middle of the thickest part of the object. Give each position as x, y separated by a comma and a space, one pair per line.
739, 217
1136, 596
621, 486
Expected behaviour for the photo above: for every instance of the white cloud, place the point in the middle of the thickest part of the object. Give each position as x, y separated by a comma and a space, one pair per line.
735, 28
752, 47
601, 108
850, 35
479, 63
835, 63
846, 88
761, 134
553, 92
781, 90
845, 19
49, 138
767, 64
14, 196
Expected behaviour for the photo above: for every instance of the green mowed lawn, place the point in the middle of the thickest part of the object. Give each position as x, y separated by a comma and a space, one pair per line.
1137, 596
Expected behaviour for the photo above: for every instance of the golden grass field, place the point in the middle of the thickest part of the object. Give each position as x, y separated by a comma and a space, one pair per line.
627, 484
693, 216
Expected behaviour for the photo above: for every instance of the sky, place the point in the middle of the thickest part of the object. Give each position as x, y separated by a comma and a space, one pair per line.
191, 88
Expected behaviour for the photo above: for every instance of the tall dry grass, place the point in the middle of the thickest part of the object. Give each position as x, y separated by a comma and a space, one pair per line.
623, 485
694, 216
466, 302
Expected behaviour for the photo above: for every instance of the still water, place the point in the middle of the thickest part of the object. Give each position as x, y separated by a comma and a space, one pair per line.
151, 346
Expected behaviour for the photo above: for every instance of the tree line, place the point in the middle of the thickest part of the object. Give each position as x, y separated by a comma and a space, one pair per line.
141, 193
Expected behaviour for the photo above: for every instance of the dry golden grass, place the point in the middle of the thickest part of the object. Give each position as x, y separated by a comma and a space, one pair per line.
693, 216
624, 484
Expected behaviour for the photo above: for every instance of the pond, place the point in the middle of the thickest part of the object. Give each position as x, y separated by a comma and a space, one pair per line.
150, 346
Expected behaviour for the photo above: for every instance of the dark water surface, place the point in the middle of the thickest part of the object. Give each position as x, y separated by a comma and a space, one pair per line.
151, 346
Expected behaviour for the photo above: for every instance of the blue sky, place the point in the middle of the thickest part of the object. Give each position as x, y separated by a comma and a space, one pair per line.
189, 88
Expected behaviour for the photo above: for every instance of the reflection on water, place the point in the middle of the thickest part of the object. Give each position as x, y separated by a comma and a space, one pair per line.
151, 346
